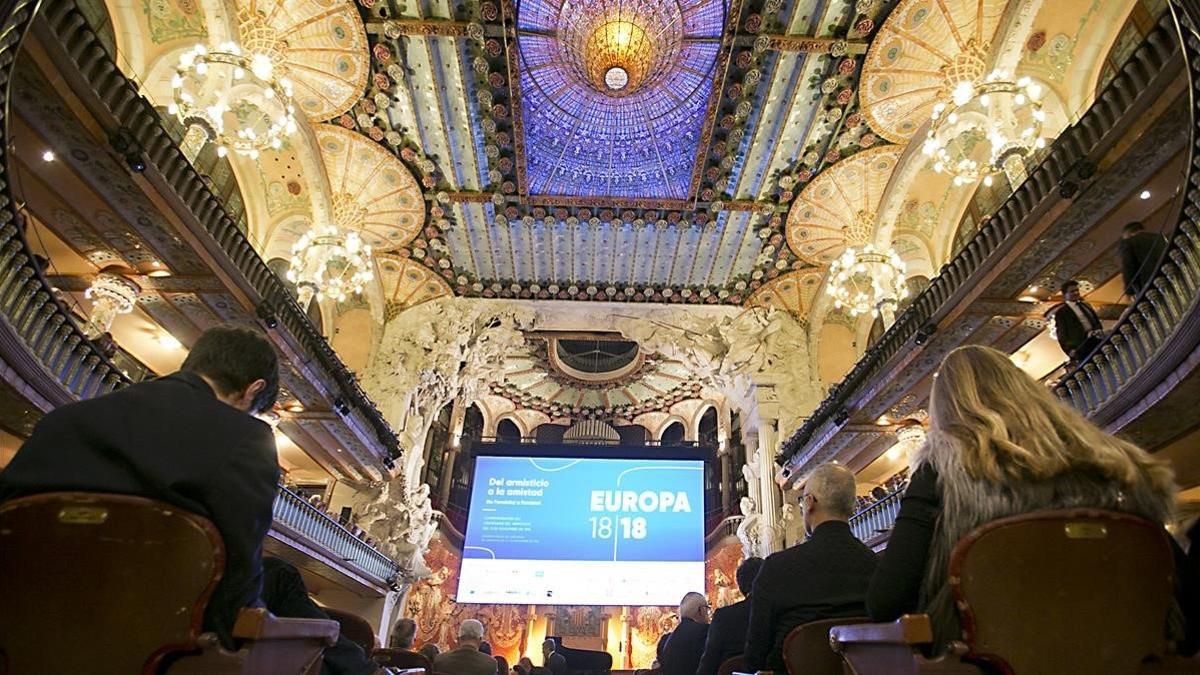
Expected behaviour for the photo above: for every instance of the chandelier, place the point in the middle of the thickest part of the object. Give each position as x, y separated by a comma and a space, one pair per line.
329, 262
237, 98
865, 279
111, 294
986, 127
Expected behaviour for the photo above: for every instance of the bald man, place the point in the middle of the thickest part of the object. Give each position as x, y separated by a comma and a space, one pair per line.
826, 577
681, 655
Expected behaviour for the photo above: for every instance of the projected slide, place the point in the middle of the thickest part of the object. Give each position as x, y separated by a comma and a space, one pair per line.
576, 531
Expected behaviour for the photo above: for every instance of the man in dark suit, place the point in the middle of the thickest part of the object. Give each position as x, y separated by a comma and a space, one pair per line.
1139, 251
1076, 324
553, 661
188, 439
727, 632
466, 659
826, 577
681, 655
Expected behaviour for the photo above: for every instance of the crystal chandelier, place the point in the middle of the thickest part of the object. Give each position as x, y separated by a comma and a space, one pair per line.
985, 127
329, 262
865, 279
237, 98
111, 294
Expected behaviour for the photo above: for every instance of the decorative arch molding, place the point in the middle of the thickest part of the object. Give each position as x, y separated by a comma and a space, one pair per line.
662, 426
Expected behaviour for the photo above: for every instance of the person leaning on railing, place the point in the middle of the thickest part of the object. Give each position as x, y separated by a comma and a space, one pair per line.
1000, 444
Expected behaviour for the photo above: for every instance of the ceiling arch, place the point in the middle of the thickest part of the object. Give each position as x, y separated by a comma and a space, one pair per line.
792, 292
840, 202
407, 283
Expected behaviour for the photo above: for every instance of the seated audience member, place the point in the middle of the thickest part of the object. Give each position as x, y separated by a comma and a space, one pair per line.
466, 659
825, 577
727, 632
485, 647
429, 650
524, 666
552, 660
501, 665
285, 594
1000, 444
400, 653
188, 439
681, 655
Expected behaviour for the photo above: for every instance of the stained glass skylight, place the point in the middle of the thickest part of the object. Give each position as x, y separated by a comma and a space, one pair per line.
614, 94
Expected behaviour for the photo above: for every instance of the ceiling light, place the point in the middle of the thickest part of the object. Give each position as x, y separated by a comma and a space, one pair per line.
883, 421
48, 156
238, 99
168, 341
328, 262
1144, 195
111, 294
294, 407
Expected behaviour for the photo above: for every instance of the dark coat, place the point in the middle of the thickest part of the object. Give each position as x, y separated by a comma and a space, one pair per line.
1072, 333
681, 656
826, 577
1139, 259
172, 440
726, 636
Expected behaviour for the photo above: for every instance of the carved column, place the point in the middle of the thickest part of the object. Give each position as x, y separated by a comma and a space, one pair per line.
768, 492
457, 416
726, 477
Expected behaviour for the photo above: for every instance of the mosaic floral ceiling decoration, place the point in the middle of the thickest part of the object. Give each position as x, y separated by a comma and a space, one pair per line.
407, 284
319, 44
614, 94
922, 47
792, 292
838, 207
373, 193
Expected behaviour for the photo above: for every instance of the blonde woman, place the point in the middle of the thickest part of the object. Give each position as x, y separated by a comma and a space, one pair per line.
1000, 444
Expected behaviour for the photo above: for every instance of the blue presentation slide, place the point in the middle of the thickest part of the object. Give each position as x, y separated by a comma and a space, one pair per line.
583, 531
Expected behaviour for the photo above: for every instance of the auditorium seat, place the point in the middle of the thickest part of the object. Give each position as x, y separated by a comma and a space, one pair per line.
400, 658
732, 665
806, 648
1061, 591
114, 583
354, 627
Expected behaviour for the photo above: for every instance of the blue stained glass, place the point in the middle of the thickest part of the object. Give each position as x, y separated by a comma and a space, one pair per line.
585, 137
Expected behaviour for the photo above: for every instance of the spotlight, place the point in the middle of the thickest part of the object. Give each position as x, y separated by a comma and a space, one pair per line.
48, 156
1068, 189
135, 161
388, 463
267, 315
787, 473
340, 405
122, 141
924, 333
841, 417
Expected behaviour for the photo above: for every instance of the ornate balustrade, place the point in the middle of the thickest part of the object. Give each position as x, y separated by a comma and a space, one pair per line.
877, 518
294, 516
1070, 161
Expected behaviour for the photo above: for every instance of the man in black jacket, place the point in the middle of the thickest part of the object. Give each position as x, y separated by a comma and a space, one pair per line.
1139, 251
1076, 325
826, 577
727, 632
681, 655
188, 439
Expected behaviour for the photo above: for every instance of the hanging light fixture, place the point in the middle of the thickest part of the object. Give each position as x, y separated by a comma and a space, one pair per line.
111, 294
238, 98
865, 279
332, 261
984, 126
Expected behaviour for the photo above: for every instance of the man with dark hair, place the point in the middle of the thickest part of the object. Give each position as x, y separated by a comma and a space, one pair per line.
188, 439
727, 632
1139, 252
553, 661
826, 577
1076, 324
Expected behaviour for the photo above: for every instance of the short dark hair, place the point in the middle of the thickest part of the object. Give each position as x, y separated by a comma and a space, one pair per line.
747, 572
232, 357
1135, 226
1068, 284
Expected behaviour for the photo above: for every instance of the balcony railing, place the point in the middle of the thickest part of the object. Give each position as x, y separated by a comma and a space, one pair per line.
1068, 163
295, 516
877, 518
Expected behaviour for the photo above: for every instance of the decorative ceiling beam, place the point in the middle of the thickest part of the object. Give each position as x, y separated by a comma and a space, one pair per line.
78, 283
393, 28
808, 45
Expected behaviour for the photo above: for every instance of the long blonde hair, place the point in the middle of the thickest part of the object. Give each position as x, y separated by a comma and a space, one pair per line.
1009, 427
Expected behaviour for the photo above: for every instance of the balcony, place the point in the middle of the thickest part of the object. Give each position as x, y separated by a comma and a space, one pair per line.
316, 535
873, 524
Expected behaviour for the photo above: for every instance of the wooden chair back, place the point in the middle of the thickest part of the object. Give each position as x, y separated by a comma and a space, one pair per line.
95, 582
354, 628
1079, 590
806, 649
731, 665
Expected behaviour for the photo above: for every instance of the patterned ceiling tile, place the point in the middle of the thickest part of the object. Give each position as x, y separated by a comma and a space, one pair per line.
320, 44
840, 202
921, 43
373, 193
